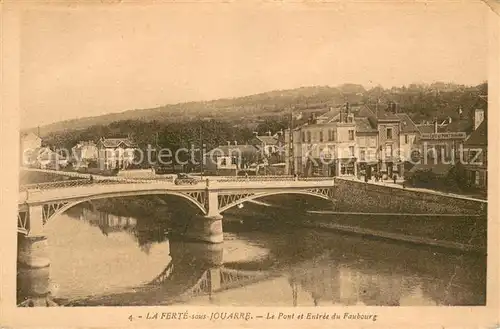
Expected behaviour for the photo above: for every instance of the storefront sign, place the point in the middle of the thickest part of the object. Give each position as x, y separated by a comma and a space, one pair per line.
438, 136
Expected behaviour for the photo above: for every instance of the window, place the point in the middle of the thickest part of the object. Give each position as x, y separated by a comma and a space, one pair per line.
476, 177
350, 118
388, 150
389, 133
351, 134
372, 142
303, 137
223, 162
351, 151
472, 156
308, 136
362, 155
234, 160
321, 136
406, 139
331, 150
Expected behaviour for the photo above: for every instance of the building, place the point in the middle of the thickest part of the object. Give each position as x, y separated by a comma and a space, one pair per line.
389, 131
228, 160
116, 153
272, 147
476, 157
44, 158
388, 125
439, 144
85, 153
326, 145
367, 145
407, 138
28, 143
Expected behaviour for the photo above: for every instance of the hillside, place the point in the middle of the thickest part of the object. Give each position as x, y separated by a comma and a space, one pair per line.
234, 119
237, 110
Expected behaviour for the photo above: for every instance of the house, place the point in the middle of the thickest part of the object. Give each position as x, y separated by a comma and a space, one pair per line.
439, 144
85, 153
228, 160
116, 153
44, 158
388, 124
271, 146
325, 146
28, 143
407, 138
475, 160
367, 145
389, 132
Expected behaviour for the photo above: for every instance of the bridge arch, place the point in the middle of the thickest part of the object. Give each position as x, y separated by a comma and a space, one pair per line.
234, 200
52, 209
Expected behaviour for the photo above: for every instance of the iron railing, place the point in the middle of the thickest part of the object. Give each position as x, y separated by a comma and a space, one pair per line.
73, 183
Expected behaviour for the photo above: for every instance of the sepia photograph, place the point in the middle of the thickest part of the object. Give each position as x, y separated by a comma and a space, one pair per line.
322, 155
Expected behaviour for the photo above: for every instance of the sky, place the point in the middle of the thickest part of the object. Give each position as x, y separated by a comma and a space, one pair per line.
85, 60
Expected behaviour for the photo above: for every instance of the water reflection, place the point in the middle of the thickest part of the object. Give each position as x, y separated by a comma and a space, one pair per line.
99, 258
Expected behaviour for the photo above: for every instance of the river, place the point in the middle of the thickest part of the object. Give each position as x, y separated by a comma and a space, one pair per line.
98, 258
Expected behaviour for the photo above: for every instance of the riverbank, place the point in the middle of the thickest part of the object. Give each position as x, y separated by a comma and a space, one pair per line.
462, 233
459, 232
354, 195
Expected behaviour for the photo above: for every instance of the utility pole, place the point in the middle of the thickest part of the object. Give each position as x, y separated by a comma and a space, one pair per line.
201, 149
291, 160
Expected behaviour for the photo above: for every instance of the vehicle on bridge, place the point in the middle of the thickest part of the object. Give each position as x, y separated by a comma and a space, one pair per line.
184, 179
167, 169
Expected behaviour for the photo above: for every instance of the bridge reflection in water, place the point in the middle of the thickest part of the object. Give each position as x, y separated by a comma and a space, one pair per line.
103, 259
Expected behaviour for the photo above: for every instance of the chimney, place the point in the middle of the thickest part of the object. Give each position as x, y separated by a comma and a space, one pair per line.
435, 126
255, 133
269, 133
449, 120
347, 109
478, 117
228, 143
235, 142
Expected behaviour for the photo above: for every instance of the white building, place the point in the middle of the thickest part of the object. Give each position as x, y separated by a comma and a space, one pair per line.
29, 142
116, 153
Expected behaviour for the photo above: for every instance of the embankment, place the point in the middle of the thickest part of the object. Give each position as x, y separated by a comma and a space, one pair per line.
359, 196
392, 213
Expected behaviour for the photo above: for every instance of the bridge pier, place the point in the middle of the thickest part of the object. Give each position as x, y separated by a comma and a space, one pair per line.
32, 248
206, 229
34, 286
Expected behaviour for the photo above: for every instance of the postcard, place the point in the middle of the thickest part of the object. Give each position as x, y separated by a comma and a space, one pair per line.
250, 164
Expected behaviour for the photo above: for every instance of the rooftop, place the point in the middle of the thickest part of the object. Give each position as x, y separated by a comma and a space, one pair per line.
363, 125
426, 128
268, 140
407, 124
479, 137
115, 142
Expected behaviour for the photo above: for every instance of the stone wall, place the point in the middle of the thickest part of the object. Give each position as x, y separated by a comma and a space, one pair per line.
368, 197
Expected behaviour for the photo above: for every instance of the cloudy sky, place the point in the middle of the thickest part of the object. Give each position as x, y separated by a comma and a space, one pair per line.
85, 61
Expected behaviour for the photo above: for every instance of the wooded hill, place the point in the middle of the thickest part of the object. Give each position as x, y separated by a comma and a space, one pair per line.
235, 119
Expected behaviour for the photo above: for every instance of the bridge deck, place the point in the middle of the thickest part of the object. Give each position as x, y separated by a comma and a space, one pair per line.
76, 190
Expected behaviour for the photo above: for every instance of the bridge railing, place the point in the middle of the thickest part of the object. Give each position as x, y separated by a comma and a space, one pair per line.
271, 178
319, 178
254, 179
72, 183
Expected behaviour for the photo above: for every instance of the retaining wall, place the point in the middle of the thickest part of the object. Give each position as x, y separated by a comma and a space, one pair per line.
359, 196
